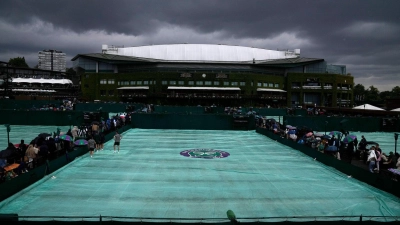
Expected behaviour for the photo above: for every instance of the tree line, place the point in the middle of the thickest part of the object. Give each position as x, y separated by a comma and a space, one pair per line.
372, 94
21, 63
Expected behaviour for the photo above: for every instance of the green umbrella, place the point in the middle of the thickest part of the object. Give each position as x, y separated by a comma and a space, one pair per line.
81, 142
349, 138
335, 133
66, 137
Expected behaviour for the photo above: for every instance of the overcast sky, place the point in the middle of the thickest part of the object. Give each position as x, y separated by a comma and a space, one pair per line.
364, 35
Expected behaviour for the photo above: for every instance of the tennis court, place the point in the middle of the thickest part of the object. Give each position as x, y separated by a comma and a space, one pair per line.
197, 174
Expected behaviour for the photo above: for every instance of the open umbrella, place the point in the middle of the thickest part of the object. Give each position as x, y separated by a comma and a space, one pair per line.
44, 135
318, 134
66, 137
326, 137
309, 134
81, 142
335, 133
349, 138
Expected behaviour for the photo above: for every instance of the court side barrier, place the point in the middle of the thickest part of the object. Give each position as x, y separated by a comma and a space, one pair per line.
50, 118
376, 180
324, 123
26, 104
106, 107
192, 121
13, 186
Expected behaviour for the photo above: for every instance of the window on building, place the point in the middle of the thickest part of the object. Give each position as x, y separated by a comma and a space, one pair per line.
259, 84
146, 82
276, 85
252, 83
133, 82
199, 83
270, 85
296, 85
265, 84
190, 82
226, 83
103, 81
139, 82
234, 83
102, 92
216, 83
242, 83
111, 81
111, 93
181, 82
119, 83
207, 83
172, 82
164, 82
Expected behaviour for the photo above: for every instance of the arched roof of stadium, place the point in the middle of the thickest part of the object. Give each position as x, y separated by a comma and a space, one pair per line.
199, 53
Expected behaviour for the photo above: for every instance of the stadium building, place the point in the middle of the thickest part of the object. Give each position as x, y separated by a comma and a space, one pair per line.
35, 84
204, 74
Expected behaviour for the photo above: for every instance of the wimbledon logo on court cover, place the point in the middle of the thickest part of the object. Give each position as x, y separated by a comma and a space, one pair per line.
204, 153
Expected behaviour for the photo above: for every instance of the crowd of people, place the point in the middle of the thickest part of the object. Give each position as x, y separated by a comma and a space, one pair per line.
340, 145
28, 155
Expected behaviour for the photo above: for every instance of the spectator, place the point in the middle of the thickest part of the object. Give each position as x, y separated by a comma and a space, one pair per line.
371, 159
31, 153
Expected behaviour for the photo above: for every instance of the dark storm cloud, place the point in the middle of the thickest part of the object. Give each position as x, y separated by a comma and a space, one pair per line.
362, 34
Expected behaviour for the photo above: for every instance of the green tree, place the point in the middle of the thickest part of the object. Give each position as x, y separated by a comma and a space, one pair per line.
395, 92
372, 94
359, 92
18, 62
385, 94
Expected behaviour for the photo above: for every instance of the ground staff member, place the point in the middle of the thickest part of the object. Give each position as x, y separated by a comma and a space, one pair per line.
117, 140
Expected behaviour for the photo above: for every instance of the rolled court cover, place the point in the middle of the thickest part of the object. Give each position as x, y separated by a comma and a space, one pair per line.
150, 178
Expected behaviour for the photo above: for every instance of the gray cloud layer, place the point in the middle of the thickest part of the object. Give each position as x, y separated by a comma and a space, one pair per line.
362, 34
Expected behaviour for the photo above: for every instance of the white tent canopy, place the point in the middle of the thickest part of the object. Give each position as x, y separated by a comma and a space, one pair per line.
395, 110
367, 107
41, 81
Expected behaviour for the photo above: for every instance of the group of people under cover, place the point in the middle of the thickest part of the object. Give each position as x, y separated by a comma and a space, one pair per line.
373, 156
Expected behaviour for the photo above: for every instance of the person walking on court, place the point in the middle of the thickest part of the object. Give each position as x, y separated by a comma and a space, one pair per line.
92, 146
117, 140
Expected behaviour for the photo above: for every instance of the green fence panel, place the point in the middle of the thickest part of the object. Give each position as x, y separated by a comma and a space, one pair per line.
324, 123
269, 111
15, 185
187, 121
105, 107
56, 118
26, 104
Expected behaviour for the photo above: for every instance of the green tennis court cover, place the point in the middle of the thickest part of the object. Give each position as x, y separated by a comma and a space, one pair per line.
198, 174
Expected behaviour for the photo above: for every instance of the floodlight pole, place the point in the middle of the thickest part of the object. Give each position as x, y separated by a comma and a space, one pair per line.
396, 136
8, 132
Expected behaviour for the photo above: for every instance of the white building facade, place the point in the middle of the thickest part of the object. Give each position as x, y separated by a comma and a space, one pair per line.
52, 60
